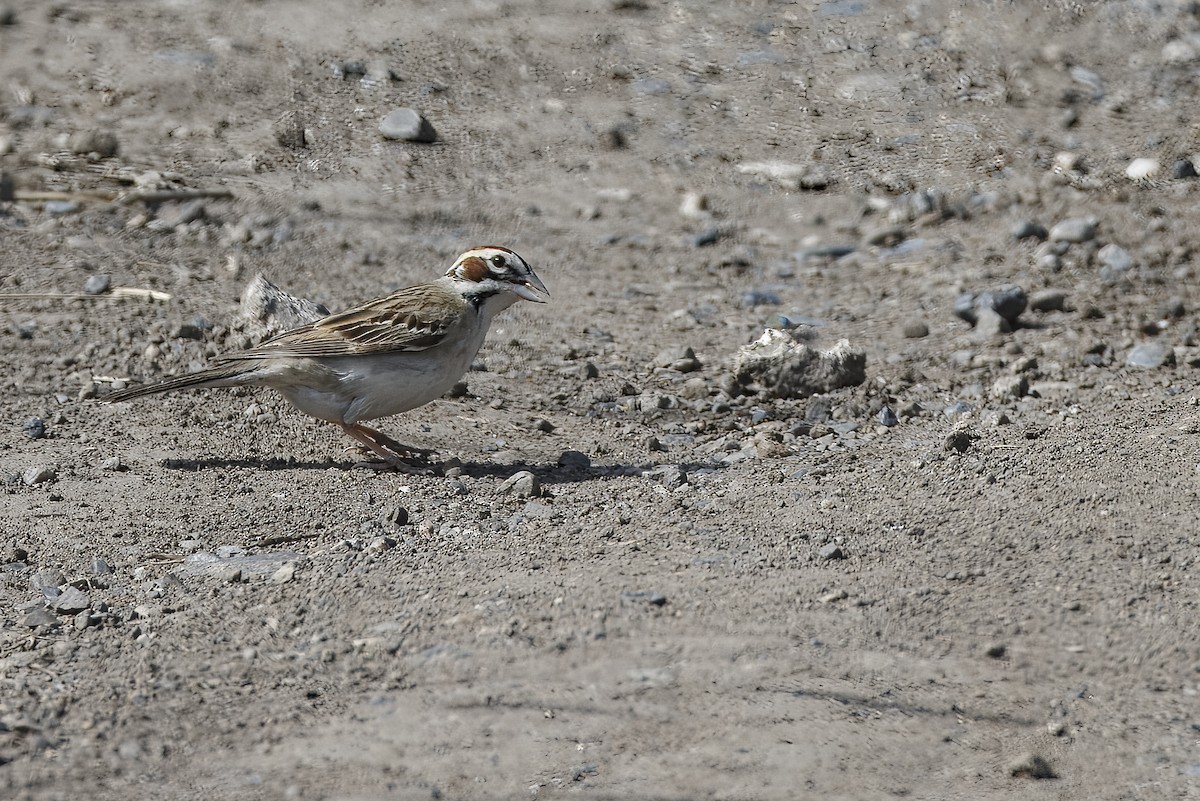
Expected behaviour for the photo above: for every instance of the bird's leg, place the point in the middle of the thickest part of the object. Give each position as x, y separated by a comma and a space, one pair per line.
386, 448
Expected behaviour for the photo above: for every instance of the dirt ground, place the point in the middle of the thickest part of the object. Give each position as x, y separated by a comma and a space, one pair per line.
971, 576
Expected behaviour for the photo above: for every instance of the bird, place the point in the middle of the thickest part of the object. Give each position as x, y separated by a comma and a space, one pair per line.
379, 359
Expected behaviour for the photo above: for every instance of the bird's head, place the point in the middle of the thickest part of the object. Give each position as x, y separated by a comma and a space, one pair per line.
486, 271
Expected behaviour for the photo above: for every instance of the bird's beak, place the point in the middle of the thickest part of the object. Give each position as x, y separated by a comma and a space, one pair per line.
533, 289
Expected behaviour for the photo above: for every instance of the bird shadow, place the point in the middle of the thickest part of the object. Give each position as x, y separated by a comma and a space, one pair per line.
546, 473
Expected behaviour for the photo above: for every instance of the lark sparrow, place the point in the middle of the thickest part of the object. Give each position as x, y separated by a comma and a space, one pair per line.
382, 358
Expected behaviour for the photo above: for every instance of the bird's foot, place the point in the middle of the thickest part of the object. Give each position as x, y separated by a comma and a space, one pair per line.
390, 454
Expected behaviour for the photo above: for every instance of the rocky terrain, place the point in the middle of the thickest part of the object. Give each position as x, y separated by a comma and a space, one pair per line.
934, 536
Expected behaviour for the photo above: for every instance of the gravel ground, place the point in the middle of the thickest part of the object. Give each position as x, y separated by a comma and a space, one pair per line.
949, 557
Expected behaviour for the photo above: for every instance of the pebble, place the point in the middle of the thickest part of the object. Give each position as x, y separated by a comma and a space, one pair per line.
1150, 355
758, 297
113, 464
694, 205
574, 459
100, 566
996, 650
1183, 168
1074, 230
173, 214
284, 574
38, 474
40, 617
1010, 387
1008, 302
96, 285
709, 236
408, 125
887, 417
34, 428
959, 440
788, 175
831, 552
1029, 230
1045, 300
680, 358
645, 596
915, 329
71, 601
1142, 168
671, 476
1031, 766
523, 485
1115, 261
102, 143
47, 578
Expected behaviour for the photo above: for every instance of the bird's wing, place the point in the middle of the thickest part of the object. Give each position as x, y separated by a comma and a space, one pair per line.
412, 319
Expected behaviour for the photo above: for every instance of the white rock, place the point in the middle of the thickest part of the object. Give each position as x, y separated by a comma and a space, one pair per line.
1140, 169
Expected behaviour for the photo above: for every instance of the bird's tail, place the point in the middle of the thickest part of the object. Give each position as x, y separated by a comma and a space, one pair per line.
226, 375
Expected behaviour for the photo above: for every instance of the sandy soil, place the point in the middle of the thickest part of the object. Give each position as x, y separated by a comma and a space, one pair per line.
728, 595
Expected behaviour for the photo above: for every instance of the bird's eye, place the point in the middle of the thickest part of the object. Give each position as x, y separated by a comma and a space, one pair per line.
499, 261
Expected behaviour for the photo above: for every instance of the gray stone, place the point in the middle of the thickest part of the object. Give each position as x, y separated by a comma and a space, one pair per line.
39, 474
1029, 230
102, 143
1048, 300
709, 236
100, 566
71, 601
915, 329
173, 214
831, 552
779, 366
989, 324
887, 417
267, 310
1010, 387
34, 428
1150, 355
47, 578
1115, 262
1182, 169
407, 125
40, 616
1031, 766
1075, 230
574, 459
523, 485
284, 574
96, 285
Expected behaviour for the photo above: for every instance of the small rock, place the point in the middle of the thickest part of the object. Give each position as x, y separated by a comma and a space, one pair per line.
990, 324
1115, 261
1010, 387
523, 485
613, 138
227, 574
1074, 230
1150, 355
71, 601
113, 464
289, 131
96, 285
39, 474
1183, 169
173, 215
779, 366
787, 175
408, 125
694, 205
758, 297
915, 329
645, 596
1142, 168
394, 516
679, 358
887, 417
34, 428
574, 459
47, 578
83, 620
1048, 300
102, 143
997, 650
831, 552
100, 566
833, 597
40, 616
1029, 230
284, 574
1031, 766
1007, 301
960, 440
709, 236
671, 476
